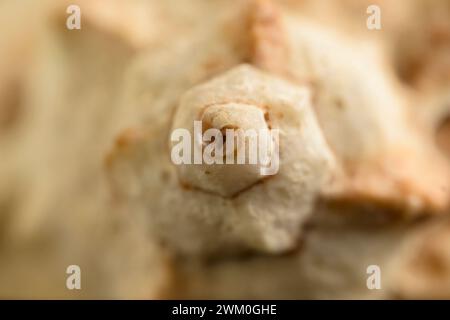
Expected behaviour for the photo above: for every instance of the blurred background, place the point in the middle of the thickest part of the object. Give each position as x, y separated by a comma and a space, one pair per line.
62, 107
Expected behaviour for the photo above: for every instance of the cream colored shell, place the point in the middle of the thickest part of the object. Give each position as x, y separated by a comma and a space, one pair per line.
191, 214
366, 119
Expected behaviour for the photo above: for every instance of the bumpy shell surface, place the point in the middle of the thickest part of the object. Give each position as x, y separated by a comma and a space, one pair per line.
198, 208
